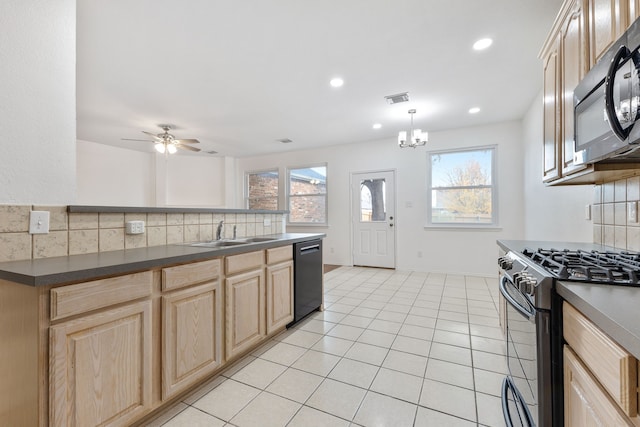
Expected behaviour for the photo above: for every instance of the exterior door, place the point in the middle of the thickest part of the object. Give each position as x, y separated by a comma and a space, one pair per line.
373, 216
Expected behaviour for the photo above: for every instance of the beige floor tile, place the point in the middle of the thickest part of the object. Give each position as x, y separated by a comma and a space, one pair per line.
346, 332
489, 410
425, 322
488, 345
166, 415
352, 372
259, 373
192, 417
385, 326
328, 316
450, 353
266, 410
449, 399
429, 418
365, 311
226, 400
486, 332
411, 345
397, 308
398, 385
379, 410
337, 398
489, 361
302, 338
405, 362
456, 317
283, 353
309, 417
450, 373
333, 345
414, 331
316, 362
317, 326
452, 338
391, 316
295, 385
357, 321
381, 339
448, 325
340, 308
230, 371
424, 312
367, 353
488, 382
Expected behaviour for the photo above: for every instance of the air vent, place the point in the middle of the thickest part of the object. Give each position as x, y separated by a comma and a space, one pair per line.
211, 152
284, 140
398, 97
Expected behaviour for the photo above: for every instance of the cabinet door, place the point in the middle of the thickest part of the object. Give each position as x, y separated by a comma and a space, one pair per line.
191, 336
586, 403
100, 370
574, 67
279, 295
634, 11
607, 21
245, 311
551, 90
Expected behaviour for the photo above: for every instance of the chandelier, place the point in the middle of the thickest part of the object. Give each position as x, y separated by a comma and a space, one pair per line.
418, 138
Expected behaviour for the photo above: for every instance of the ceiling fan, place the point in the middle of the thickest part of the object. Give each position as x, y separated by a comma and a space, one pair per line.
167, 143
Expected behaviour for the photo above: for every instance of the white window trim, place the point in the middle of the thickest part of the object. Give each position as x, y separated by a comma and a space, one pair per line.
246, 186
495, 224
288, 194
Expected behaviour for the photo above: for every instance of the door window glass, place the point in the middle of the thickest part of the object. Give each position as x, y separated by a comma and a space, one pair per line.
373, 200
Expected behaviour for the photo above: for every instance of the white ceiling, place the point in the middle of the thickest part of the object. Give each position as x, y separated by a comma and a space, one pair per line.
240, 74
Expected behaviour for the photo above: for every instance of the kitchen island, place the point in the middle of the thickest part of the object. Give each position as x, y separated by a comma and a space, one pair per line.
113, 337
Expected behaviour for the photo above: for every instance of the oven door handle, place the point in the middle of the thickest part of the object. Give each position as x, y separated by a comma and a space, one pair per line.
507, 384
529, 314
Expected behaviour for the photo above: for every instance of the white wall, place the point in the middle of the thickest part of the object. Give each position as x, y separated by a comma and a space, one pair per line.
443, 250
37, 101
554, 213
112, 176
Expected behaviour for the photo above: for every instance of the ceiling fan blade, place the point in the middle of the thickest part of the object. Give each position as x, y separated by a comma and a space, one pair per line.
187, 147
154, 136
129, 139
187, 141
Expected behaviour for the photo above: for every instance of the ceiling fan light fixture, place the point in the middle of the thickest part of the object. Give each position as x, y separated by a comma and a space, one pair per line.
171, 148
160, 148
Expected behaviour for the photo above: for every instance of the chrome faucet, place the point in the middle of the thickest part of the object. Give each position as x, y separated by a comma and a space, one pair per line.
234, 231
219, 230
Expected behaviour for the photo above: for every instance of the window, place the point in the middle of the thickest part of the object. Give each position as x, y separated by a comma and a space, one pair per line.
461, 188
308, 195
262, 190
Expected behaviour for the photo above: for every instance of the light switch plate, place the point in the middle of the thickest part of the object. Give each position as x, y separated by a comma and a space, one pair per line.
587, 212
39, 222
632, 212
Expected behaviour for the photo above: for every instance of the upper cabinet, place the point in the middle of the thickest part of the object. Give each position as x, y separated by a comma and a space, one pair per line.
581, 34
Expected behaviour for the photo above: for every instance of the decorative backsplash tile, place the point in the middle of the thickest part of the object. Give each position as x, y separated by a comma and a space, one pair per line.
611, 225
81, 233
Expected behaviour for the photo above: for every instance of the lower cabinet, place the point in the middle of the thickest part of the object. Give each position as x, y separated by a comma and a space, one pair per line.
245, 311
279, 295
100, 367
191, 336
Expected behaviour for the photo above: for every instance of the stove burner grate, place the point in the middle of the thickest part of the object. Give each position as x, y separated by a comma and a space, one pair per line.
619, 268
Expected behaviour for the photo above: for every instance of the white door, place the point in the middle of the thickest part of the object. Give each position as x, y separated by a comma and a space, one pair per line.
373, 216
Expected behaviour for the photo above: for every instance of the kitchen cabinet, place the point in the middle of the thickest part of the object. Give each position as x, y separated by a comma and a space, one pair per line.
600, 377
551, 108
279, 274
244, 302
192, 325
100, 369
608, 19
634, 10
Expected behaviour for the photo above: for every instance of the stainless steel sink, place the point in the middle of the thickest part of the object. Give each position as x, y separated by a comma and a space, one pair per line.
258, 239
217, 244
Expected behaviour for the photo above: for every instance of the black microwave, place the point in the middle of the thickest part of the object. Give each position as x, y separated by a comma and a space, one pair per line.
607, 105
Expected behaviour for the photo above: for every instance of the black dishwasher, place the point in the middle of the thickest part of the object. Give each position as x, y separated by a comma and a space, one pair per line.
307, 282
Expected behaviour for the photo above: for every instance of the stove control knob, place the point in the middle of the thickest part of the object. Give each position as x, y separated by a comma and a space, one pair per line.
505, 263
530, 285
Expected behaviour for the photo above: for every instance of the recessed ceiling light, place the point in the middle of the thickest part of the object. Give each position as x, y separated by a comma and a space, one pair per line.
377, 125
474, 110
336, 82
482, 44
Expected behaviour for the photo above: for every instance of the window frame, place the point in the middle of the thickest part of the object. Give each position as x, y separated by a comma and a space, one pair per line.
246, 187
494, 224
288, 195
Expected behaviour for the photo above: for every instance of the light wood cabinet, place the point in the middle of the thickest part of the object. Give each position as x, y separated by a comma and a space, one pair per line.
586, 403
245, 311
634, 10
608, 19
551, 111
279, 295
100, 367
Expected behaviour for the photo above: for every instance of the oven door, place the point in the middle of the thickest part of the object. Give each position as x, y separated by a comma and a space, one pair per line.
520, 387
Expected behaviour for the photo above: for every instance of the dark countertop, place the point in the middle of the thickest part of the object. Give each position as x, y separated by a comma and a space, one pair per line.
614, 309
75, 268
143, 209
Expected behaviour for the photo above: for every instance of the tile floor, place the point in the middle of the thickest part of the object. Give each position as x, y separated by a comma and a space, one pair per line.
392, 348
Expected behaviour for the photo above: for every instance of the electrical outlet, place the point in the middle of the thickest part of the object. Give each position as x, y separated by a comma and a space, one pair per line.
632, 212
267, 222
39, 222
587, 212
135, 227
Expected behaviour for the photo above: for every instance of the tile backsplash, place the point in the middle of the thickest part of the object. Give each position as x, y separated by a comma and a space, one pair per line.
612, 225
72, 233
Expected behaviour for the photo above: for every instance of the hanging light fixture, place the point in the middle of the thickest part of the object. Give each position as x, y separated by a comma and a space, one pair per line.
165, 147
418, 138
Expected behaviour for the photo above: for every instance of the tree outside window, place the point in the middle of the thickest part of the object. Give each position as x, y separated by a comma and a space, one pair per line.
462, 190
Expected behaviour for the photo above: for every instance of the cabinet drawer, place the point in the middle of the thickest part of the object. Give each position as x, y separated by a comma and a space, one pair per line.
281, 254
189, 274
242, 262
83, 297
613, 367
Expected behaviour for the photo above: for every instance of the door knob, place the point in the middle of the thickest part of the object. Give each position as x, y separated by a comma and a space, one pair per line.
391, 225
391, 217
